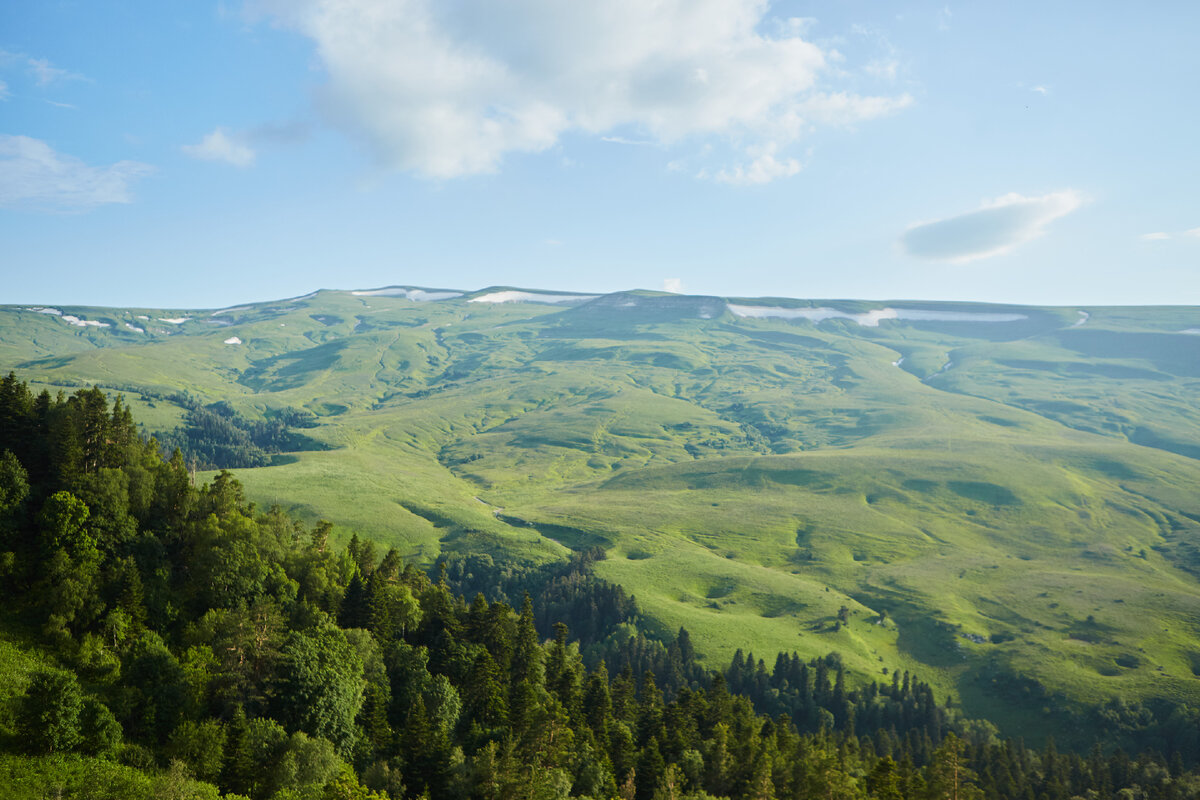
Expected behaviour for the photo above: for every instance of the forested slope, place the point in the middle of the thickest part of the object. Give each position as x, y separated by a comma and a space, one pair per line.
999, 497
161, 639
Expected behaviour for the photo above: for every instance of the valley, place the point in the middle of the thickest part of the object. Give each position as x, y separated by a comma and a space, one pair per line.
1001, 499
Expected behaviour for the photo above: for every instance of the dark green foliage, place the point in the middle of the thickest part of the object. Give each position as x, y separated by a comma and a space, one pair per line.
217, 437
320, 684
208, 627
49, 715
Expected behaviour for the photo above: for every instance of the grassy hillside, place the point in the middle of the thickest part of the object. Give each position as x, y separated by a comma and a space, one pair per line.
1002, 498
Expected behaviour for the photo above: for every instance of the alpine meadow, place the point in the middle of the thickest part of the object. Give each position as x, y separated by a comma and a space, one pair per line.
599, 400
998, 499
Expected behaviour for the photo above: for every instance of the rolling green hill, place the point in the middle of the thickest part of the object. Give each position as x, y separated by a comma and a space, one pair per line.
1001, 498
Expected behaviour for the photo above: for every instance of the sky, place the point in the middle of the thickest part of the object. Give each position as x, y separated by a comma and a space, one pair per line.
205, 154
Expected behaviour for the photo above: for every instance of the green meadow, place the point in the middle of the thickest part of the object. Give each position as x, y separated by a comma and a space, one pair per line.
991, 504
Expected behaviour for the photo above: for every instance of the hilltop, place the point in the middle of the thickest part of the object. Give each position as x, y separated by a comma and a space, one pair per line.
1001, 498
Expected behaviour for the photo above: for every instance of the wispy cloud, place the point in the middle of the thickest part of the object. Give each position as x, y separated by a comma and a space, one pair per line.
763, 167
997, 227
43, 72
1159, 236
57, 104
1042, 90
34, 176
221, 146
4, 93
624, 140
449, 89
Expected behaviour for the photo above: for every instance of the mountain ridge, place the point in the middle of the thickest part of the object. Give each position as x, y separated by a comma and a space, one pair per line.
981, 487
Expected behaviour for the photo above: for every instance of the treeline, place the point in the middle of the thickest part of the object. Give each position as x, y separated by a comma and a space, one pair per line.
203, 645
215, 436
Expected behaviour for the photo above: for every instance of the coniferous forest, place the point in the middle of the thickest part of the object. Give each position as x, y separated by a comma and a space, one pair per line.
168, 640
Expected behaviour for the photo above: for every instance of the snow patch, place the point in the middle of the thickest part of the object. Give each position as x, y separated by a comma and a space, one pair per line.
135, 328
1083, 318
142, 316
308, 296
83, 323
416, 295
531, 297
872, 318
45, 310
233, 340
898, 361
174, 320
233, 310
1191, 331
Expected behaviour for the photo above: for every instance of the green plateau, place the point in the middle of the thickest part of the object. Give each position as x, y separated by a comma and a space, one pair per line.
1001, 499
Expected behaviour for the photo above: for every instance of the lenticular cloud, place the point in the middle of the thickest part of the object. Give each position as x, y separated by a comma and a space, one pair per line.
998, 227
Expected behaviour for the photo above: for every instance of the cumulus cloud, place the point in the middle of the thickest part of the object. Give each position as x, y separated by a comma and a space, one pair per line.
673, 285
1156, 236
997, 227
34, 175
1192, 232
221, 146
446, 88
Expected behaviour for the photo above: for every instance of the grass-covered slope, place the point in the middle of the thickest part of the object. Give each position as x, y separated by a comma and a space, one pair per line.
1001, 497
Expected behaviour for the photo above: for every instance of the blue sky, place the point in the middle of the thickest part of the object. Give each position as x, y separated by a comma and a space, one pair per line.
204, 154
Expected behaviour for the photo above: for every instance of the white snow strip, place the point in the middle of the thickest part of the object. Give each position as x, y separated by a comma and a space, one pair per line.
872, 318
531, 297
142, 316
45, 310
135, 328
233, 340
1083, 318
233, 310
83, 323
1191, 331
308, 296
898, 361
416, 295
174, 320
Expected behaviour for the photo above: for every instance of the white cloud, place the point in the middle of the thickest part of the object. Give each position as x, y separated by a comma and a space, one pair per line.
220, 146
447, 88
883, 68
1192, 232
673, 285
1157, 236
4, 93
33, 175
44, 73
763, 168
623, 140
1042, 90
997, 227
